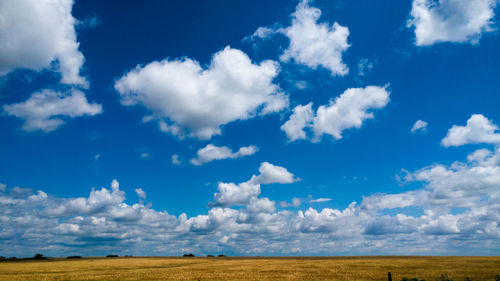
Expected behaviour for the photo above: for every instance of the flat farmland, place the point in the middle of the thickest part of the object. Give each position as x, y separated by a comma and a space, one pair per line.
255, 268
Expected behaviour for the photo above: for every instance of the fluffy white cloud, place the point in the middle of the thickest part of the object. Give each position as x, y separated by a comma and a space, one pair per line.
236, 194
419, 126
462, 184
36, 33
392, 201
39, 196
328, 220
260, 205
316, 44
478, 130
301, 117
98, 201
451, 20
349, 110
479, 155
270, 173
472, 187
211, 152
311, 43
47, 110
243, 193
189, 100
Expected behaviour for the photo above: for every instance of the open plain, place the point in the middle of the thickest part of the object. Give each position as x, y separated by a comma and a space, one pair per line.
252, 268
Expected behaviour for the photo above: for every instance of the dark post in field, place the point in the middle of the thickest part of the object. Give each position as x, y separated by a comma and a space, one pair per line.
389, 276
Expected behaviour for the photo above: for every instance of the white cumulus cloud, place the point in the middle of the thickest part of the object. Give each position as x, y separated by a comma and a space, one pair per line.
99, 201
211, 152
270, 173
301, 117
47, 110
316, 44
36, 33
243, 193
188, 100
479, 129
451, 20
349, 110
311, 43
236, 194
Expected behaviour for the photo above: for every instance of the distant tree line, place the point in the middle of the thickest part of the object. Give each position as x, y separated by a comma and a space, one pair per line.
208, 256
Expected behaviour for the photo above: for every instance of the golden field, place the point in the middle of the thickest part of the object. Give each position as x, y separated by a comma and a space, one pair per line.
244, 268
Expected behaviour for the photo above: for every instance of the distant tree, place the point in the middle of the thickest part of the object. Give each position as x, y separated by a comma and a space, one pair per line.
210, 256
221, 256
74, 257
112, 256
188, 255
38, 257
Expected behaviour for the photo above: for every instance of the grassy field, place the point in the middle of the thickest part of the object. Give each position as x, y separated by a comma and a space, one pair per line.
301, 268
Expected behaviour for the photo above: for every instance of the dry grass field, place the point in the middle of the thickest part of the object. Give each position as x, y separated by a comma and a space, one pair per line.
301, 268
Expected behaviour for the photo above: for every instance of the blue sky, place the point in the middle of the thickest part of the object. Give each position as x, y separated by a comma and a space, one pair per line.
249, 128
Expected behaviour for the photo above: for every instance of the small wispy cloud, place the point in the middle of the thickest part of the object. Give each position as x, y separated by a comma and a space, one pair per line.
365, 66
419, 126
175, 159
89, 22
296, 202
319, 200
144, 153
141, 193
